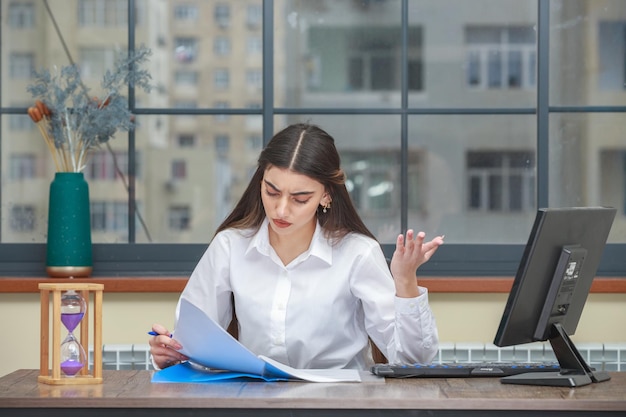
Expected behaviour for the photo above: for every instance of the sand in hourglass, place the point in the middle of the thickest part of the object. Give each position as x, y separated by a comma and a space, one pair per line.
71, 365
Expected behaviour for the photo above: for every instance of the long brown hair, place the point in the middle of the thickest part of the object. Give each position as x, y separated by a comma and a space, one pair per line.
308, 150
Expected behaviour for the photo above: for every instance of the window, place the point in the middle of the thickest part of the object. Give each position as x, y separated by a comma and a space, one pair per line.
221, 79
501, 181
179, 218
254, 45
103, 165
221, 46
186, 12
22, 65
22, 166
109, 216
179, 169
103, 13
222, 145
462, 147
372, 58
185, 49
611, 50
222, 15
254, 15
501, 57
18, 122
22, 218
186, 141
254, 79
184, 77
221, 105
21, 15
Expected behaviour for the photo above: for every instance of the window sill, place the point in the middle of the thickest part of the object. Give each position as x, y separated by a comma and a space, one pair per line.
175, 284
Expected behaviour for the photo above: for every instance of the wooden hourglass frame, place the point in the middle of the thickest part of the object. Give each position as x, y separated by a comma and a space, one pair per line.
54, 375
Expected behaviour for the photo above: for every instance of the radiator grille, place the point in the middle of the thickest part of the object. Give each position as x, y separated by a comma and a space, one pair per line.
602, 356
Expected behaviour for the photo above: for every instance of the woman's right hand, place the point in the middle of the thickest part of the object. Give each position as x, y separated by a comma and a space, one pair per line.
164, 349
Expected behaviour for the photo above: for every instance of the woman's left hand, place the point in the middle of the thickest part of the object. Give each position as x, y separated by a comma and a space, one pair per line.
409, 255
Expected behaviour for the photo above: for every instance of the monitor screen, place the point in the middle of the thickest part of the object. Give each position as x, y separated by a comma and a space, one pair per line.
550, 289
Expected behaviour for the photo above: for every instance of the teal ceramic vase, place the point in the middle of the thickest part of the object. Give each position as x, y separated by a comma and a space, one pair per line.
68, 250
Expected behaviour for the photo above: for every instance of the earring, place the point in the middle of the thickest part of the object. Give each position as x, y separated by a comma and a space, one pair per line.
326, 207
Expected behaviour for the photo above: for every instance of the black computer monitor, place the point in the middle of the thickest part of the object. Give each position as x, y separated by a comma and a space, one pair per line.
550, 290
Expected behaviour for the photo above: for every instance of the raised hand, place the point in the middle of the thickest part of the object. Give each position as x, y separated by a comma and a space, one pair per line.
409, 255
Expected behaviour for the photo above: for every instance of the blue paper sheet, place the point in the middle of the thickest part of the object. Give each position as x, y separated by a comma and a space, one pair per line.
187, 373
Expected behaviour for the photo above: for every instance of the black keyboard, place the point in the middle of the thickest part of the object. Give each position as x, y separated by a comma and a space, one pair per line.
461, 370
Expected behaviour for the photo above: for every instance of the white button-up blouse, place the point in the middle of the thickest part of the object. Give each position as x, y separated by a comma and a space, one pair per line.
317, 311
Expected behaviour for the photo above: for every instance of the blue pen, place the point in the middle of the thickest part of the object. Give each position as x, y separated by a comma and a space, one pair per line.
153, 333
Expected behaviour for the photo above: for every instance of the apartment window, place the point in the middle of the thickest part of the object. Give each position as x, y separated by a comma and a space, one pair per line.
254, 79
372, 58
221, 79
21, 65
254, 16
501, 181
500, 57
254, 45
185, 49
221, 46
221, 105
21, 15
109, 216
611, 51
254, 142
103, 165
222, 145
102, 13
22, 166
184, 77
178, 169
18, 122
186, 12
179, 218
22, 218
186, 141
222, 15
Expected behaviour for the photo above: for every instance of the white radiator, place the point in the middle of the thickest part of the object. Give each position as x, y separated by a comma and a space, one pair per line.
602, 356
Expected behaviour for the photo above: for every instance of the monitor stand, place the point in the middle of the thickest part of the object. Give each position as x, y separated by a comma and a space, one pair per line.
575, 372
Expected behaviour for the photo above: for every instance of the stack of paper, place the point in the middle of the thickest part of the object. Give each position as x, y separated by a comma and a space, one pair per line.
215, 355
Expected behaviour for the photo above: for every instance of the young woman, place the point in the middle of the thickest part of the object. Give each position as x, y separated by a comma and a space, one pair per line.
309, 281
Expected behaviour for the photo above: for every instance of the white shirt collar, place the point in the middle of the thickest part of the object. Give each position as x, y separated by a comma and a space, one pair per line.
320, 246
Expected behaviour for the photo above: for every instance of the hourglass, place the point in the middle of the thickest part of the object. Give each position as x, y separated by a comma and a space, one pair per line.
70, 309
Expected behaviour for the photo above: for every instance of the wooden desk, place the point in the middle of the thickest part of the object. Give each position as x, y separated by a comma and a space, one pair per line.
132, 393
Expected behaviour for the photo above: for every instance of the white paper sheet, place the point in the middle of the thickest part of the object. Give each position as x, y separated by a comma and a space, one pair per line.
207, 344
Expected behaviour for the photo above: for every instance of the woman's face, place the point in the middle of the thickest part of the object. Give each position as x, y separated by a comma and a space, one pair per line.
290, 200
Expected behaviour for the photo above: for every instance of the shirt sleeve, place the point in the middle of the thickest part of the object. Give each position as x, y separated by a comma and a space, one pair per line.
208, 287
404, 329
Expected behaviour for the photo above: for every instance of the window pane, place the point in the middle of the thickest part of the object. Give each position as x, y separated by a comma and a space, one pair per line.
342, 54
587, 162
588, 52
477, 51
187, 188
478, 175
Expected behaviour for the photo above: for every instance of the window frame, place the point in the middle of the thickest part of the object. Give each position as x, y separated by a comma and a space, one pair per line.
135, 259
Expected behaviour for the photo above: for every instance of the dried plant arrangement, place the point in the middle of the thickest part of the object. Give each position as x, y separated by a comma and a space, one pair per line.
72, 121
